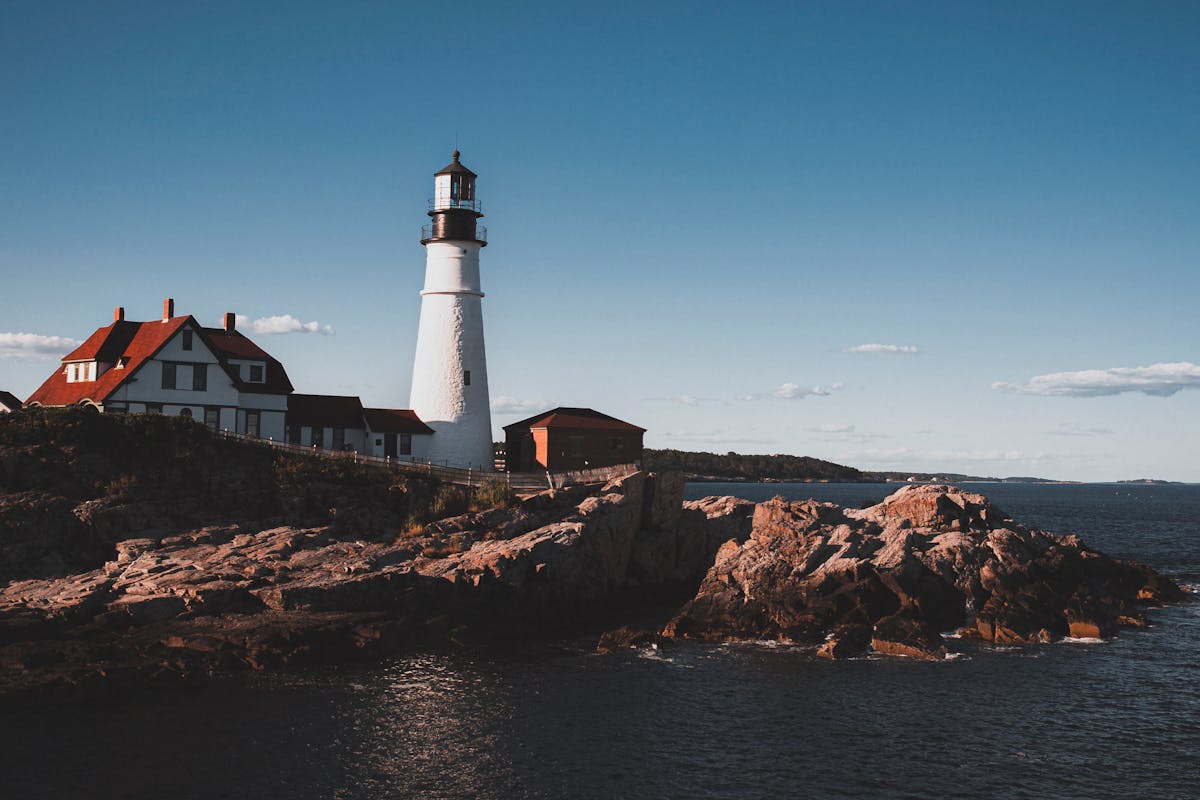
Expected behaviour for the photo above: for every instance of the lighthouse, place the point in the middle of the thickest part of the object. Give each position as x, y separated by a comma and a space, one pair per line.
450, 383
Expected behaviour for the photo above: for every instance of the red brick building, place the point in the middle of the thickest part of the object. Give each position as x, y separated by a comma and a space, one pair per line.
571, 438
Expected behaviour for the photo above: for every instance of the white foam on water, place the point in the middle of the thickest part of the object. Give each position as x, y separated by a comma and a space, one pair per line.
1080, 640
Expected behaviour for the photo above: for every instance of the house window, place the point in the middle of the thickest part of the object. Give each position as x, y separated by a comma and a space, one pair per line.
187, 340
168, 375
70, 373
339, 439
185, 412
200, 377
212, 418
256, 373
153, 408
293, 434
466, 377
318, 437
616, 445
576, 443
406, 444
252, 424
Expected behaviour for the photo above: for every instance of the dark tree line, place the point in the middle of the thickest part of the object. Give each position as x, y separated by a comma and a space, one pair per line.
750, 467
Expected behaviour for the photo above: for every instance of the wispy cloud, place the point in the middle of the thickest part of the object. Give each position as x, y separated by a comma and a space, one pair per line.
684, 399
1157, 380
1075, 429
882, 348
793, 391
720, 437
35, 347
941, 459
283, 323
842, 432
505, 404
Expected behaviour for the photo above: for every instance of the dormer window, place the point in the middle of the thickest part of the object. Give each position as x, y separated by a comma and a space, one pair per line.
70, 373
256, 373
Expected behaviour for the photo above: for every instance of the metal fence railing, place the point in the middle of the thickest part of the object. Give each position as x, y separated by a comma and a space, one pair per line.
469, 477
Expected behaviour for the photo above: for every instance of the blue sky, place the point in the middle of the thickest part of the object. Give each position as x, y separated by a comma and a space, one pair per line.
699, 213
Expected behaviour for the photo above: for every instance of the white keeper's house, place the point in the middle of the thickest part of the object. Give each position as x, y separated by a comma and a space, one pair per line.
218, 376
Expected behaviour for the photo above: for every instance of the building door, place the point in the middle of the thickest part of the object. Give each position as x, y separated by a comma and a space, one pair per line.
389, 445
252, 424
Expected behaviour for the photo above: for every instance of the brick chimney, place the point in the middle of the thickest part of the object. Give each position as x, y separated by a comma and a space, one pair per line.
119, 314
168, 309
230, 321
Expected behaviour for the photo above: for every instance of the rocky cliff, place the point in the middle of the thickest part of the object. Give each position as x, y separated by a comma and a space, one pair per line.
172, 608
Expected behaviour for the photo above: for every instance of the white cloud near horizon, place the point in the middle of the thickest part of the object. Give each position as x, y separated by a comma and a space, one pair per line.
281, 324
1156, 380
34, 346
882, 348
505, 404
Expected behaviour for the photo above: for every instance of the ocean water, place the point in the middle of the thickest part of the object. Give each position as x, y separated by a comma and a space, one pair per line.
1119, 719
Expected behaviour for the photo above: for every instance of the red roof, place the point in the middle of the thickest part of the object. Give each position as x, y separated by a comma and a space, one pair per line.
394, 420
232, 344
575, 419
135, 342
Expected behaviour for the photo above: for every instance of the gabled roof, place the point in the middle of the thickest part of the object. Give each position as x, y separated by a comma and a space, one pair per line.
132, 342
574, 419
227, 344
394, 420
324, 411
455, 167
9, 400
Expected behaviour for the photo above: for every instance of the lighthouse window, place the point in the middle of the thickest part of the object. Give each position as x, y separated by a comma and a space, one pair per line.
455, 183
466, 377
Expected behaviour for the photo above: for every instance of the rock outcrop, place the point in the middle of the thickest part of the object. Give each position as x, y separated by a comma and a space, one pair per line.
223, 597
193, 555
893, 577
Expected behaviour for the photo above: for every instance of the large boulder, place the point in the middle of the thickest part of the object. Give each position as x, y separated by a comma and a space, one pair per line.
926, 559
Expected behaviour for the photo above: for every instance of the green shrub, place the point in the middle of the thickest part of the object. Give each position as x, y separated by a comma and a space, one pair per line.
493, 493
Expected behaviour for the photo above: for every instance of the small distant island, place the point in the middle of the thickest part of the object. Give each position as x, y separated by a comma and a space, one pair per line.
1153, 482
735, 467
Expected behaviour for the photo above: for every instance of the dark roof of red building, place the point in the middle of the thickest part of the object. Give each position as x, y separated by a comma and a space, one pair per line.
324, 411
575, 419
232, 344
9, 400
394, 420
131, 343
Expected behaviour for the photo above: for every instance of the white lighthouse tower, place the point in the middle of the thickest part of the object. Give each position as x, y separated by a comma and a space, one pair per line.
450, 383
